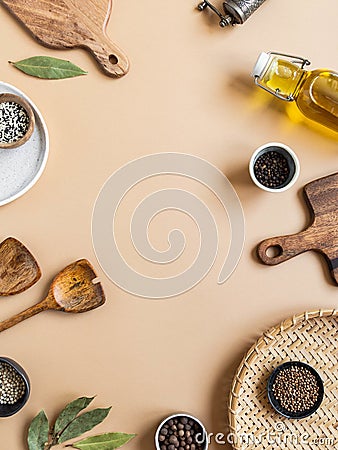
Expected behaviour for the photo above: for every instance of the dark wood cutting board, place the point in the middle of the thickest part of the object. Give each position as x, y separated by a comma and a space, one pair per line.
72, 23
320, 236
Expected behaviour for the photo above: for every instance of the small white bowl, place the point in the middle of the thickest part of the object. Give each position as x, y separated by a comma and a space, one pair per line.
178, 416
291, 158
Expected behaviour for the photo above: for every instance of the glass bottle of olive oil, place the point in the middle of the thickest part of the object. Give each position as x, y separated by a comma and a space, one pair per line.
315, 92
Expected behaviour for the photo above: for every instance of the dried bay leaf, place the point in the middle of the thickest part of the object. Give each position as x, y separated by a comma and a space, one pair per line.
83, 423
38, 432
108, 441
48, 68
69, 413
69, 425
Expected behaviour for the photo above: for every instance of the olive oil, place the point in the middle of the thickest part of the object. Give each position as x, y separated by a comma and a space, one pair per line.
315, 92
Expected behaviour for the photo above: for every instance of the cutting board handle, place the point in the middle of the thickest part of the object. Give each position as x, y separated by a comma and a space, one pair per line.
112, 60
282, 248
333, 264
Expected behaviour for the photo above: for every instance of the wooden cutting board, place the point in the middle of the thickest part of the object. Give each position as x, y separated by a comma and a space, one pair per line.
321, 235
72, 23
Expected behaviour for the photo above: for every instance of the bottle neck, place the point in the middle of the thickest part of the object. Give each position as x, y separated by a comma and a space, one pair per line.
284, 77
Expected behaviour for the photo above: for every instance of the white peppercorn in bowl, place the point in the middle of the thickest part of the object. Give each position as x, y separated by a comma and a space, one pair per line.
17, 121
274, 167
181, 431
14, 387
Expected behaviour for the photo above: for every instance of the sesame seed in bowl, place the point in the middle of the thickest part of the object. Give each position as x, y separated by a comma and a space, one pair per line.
17, 121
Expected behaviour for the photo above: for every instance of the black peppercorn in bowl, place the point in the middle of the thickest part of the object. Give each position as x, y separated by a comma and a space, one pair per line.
274, 167
181, 431
295, 390
14, 387
17, 121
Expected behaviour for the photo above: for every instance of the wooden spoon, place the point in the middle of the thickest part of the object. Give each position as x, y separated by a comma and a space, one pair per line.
18, 267
72, 290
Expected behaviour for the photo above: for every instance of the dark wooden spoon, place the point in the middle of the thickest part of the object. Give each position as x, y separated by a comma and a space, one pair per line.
73, 290
18, 267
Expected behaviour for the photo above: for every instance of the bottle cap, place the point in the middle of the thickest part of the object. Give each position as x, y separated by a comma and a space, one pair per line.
261, 64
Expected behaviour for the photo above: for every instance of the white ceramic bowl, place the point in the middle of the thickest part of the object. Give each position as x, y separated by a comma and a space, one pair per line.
175, 416
291, 158
21, 167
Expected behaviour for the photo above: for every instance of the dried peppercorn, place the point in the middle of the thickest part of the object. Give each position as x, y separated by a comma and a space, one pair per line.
296, 389
272, 169
181, 433
12, 386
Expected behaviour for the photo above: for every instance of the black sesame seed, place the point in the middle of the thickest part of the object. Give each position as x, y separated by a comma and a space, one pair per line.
14, 122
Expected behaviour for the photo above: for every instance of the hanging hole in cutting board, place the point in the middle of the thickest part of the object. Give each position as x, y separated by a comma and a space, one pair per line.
274, 251
113, 59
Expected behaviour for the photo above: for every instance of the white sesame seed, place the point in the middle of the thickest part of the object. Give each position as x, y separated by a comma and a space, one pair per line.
14, 122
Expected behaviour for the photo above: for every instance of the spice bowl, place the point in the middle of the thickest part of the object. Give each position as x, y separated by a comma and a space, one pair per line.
181, 430
274, 167
295, 390
17, 121
14, 387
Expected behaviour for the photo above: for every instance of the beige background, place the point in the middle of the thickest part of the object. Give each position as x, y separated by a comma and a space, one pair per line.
183, 94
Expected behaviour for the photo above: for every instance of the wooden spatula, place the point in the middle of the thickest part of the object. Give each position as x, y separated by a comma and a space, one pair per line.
321, 235
73, 290
72, 23
18, 267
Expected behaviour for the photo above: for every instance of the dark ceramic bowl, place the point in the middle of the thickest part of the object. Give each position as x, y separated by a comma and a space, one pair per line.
10, 410
275, 403
203, 440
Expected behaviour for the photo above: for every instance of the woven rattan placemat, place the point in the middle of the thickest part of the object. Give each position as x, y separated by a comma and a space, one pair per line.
311, 337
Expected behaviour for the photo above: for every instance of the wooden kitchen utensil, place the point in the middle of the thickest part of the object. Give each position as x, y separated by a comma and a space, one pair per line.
18, 267
73, 290
320, 236
72, 23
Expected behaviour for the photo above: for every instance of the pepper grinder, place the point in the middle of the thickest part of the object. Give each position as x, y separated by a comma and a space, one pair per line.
235, 11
